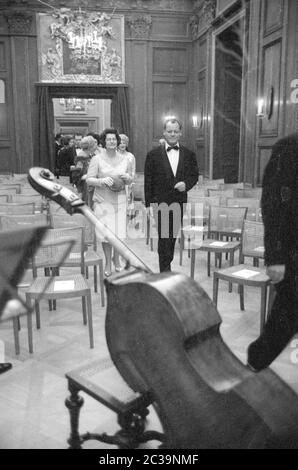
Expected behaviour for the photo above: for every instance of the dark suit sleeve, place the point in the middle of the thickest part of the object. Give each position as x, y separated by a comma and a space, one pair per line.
148, 179
191, 173
276, 201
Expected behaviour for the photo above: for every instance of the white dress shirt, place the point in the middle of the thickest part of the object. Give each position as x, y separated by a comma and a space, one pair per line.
173, 156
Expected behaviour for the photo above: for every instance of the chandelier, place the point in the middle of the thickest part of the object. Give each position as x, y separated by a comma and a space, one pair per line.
85, 33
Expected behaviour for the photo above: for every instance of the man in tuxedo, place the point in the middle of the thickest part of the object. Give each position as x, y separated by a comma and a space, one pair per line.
170, 171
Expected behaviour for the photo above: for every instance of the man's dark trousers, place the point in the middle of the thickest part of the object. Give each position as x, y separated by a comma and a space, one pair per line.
168, 223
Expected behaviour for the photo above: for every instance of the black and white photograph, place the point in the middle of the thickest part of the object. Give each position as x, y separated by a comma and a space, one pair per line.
148, 227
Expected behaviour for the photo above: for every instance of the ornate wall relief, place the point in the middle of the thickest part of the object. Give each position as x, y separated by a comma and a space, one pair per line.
81, 47
204, 14
19, 22
208, 11
139, 26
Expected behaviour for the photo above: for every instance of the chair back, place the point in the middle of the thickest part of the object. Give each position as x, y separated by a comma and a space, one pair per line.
20, 177
252, 205
35, 199
231, 186
138, 187
226, 220
52, 250
53, 208
223, 194
206, 201
12, 222
215, 184
253, 239
255, 193
3, 198
8, 191
6, 174
197, 191
8, 186
14, 208
29, 191
76, 220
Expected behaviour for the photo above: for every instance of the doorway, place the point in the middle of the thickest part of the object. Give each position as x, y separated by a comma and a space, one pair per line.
119, 113
227, 101
78, 115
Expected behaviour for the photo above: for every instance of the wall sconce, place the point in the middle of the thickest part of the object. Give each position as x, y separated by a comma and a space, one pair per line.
265, 107
197, 120
2, 91
169, 116
260, 113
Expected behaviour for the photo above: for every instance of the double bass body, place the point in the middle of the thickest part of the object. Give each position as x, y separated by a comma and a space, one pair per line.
163, 336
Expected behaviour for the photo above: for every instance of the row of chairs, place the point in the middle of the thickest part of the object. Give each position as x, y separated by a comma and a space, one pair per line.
249, 242
83, 255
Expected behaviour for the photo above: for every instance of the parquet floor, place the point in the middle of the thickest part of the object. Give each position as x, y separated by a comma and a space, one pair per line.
32, 394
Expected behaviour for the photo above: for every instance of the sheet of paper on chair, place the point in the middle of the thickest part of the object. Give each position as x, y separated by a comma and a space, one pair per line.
259, 248
245, 273
219, 244
60, 286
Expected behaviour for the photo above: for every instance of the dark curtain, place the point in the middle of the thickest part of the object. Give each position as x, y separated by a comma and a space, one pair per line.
120, 111
45, 136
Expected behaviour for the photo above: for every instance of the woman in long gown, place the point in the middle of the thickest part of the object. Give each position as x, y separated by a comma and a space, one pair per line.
109, 172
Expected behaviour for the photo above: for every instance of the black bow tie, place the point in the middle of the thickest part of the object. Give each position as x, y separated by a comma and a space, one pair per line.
174, 147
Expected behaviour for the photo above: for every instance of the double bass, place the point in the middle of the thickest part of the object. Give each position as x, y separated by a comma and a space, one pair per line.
163, 336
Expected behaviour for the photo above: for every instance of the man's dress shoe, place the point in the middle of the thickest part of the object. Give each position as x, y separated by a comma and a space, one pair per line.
5, 366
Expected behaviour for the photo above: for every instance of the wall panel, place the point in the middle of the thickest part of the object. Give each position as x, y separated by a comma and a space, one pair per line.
168, 60
263, 158
273, 15
7, 147
168, 99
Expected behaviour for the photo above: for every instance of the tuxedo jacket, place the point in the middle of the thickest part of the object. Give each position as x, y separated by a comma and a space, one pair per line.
160, 180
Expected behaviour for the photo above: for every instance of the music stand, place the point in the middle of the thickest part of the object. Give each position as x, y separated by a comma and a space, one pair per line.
16, 250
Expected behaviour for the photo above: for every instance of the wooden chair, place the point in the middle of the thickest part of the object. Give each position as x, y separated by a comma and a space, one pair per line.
3, 198
53, 208
106, 386
223, 222
225, 186
50, 255
8, 192
255, 193
11, 222
6, 174
246, 274
197, 191
212, 183
91, 257
195, 216
253, 206
21, 177
7, 186
36, 199
29, 191
14, 208
223, 194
